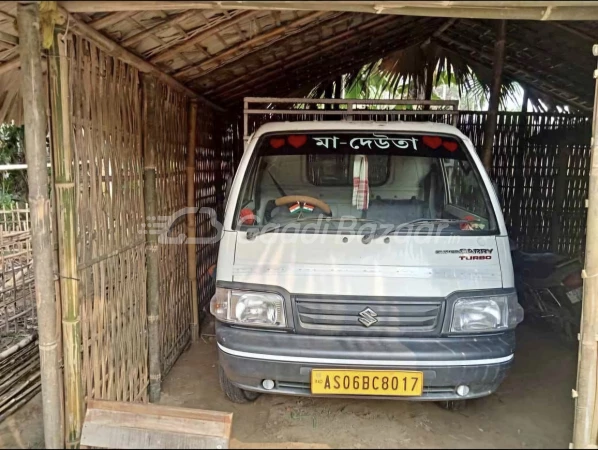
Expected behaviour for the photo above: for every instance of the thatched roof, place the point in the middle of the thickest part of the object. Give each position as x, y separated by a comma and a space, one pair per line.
228, 54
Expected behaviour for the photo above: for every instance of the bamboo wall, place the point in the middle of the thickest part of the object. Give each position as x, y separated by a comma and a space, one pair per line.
217, 144
541, 164
105, 109
170, 133
106, 114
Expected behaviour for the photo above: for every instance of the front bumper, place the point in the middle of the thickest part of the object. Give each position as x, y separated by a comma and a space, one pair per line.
250, 356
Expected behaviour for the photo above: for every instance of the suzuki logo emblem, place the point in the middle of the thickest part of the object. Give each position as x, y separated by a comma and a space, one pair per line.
367, 317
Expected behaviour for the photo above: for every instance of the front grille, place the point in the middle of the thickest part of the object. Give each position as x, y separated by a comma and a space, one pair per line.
391, 317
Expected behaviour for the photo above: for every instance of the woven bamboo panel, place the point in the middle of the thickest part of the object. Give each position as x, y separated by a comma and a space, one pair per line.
106, 115
217, 144
171, 134
530, 152
205, 196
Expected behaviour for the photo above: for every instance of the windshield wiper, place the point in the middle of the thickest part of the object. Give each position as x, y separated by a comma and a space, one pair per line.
252, 234
376, 234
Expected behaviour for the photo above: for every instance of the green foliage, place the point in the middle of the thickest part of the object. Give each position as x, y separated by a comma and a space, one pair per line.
13, 184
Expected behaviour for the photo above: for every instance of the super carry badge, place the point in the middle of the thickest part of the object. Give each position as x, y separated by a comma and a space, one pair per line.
298, 207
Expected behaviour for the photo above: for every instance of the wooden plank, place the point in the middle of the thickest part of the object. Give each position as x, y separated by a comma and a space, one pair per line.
171, 411
134, 425
170, 424
104, 436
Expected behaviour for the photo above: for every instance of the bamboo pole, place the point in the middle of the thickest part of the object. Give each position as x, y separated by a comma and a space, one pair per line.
584, 432
191, 221
150, 110
492, 118
66, 210
32, 91
522, 133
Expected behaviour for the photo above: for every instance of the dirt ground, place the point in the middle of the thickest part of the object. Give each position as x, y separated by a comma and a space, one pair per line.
533, 409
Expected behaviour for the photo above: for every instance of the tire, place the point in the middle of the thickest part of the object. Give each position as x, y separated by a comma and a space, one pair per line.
453, 405
232, 392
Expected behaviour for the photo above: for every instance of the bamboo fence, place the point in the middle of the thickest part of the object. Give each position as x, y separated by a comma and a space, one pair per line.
19, 355
117, 144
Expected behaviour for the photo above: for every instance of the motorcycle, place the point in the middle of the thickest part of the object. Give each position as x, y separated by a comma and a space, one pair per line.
550, 290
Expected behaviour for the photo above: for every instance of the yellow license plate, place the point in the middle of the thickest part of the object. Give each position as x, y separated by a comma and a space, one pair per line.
371, 382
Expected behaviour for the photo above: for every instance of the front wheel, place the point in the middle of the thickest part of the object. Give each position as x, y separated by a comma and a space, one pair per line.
232, 392
453, 405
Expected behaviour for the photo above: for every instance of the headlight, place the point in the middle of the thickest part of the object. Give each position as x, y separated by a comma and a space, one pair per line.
264, 309
486, 314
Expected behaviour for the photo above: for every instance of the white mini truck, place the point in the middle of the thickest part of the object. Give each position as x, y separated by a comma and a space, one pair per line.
364, 259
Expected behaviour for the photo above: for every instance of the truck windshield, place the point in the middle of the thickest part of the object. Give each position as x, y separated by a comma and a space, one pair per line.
384, 178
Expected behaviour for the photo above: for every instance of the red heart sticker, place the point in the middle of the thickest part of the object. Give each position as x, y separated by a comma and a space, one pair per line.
297, 140
432, 141
451, 146
277, 142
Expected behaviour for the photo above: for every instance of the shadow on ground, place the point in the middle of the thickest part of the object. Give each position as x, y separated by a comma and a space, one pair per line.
533, 409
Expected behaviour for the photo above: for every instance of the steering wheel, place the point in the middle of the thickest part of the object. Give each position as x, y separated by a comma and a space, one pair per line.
287, 200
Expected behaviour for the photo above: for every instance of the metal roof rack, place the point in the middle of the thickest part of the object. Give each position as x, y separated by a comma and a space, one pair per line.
259, 110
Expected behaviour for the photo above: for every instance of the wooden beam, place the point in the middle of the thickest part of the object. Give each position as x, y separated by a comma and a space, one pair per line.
206, 33
132, 40
109, 20
34, 112
86, 31
261, 40
492, 116
10, 65
573, 31
520, 10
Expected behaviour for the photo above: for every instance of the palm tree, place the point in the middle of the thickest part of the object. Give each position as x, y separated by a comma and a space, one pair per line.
427, 71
